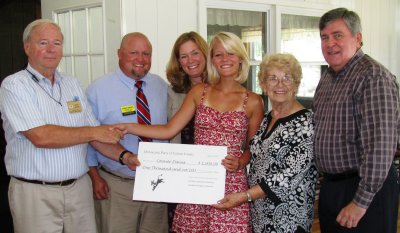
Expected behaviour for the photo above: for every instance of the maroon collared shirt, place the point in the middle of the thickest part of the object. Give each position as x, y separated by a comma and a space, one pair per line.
356, 117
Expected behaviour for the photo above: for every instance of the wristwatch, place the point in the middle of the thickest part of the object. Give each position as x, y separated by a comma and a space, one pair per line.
121, 156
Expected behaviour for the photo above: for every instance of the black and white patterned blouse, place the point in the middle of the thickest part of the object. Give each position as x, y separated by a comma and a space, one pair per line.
282, 163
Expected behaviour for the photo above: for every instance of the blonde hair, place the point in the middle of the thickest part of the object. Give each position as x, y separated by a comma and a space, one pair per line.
234, 45
281, 61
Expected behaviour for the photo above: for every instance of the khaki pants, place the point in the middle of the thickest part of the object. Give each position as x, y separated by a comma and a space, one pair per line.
37, 208
119, 214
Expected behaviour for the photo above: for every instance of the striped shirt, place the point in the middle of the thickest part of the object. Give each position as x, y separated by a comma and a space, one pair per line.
356, 114
28, 101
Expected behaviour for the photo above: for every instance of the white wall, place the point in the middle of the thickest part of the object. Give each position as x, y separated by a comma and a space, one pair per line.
381, 31
164, 20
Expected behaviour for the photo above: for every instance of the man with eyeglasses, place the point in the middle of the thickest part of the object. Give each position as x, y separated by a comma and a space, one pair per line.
356, 115
48, 124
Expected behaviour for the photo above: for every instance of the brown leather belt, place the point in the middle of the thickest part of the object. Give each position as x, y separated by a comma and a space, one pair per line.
59, 183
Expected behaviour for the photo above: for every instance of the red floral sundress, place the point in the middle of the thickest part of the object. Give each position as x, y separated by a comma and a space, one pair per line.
223, 129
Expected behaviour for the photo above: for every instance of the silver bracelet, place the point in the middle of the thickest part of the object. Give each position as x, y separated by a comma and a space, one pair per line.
248, 197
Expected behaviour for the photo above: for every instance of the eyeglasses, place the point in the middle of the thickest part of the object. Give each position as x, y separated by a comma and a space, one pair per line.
273, 80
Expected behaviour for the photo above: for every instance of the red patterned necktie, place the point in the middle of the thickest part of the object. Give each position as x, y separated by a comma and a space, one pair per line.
143, 111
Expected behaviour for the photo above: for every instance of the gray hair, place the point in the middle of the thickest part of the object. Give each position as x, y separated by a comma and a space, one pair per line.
351, 19
39, 23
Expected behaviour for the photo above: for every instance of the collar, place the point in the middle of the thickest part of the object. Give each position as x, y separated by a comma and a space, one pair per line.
349, 65
40, 77
129, 82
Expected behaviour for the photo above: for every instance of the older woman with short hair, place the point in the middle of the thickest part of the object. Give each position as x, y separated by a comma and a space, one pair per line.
282, 173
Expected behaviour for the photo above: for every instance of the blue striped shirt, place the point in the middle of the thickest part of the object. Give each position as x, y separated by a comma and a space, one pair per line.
26, 103
108, 95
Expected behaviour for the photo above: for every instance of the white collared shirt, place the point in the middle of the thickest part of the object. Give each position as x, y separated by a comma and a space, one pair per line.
26, 103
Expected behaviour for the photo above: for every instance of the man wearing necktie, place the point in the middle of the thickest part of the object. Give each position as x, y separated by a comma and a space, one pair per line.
143, 111
130, 94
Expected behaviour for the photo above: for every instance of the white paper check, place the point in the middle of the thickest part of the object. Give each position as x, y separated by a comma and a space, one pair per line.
180, 173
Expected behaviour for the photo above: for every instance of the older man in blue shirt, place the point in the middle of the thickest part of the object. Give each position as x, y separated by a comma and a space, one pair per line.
47, 123
113, 99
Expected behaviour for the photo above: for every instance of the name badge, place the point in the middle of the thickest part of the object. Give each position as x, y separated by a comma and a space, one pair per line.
128, 110
74, 106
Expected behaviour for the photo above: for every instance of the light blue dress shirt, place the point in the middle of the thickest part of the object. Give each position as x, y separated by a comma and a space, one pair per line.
108, 94
27, 102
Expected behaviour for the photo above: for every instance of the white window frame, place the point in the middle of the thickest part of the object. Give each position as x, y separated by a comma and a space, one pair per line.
244, 6
296, 11
273, 10
85, 81
292, 11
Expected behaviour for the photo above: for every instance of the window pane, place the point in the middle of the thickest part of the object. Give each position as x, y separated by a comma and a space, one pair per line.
255, 84
300, 37
96, 30
97, 66
65, 65
81, 70
80, 32
64, 23
250, 26
311, 75
84, 45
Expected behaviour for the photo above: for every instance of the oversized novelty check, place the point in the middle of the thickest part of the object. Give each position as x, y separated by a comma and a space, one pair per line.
180, 173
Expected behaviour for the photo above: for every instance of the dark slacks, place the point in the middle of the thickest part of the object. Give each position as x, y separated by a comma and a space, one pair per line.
381, 216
